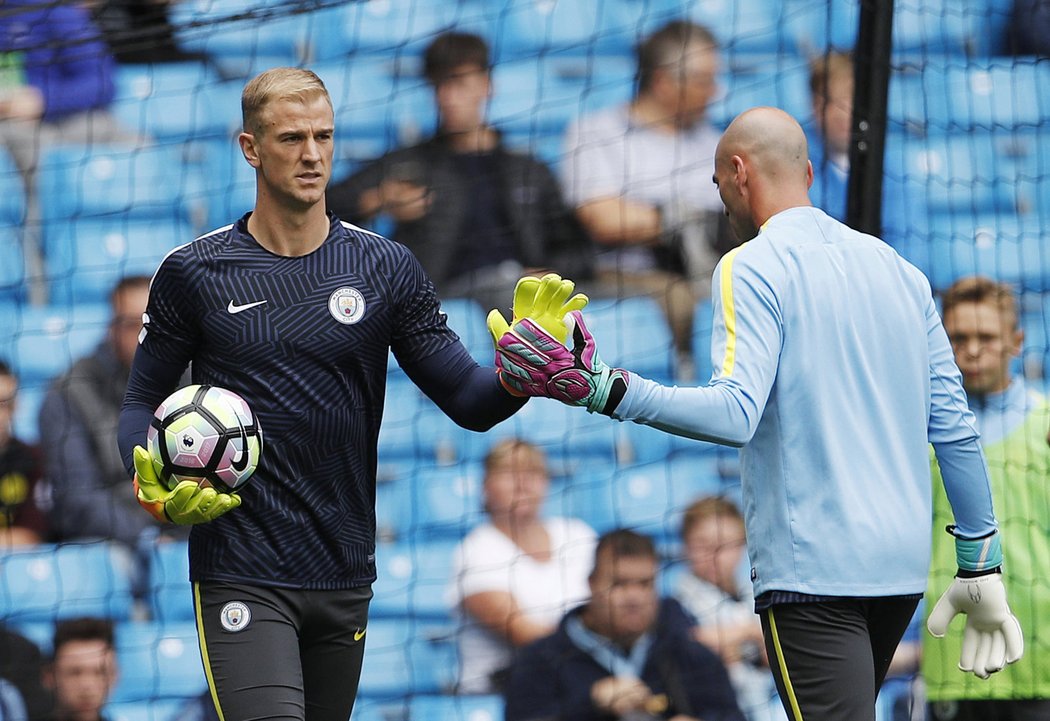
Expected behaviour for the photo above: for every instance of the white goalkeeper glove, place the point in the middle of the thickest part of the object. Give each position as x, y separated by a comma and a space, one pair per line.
992, 636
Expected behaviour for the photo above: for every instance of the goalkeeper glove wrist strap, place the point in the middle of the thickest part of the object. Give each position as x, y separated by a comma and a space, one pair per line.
977, 556
609, 391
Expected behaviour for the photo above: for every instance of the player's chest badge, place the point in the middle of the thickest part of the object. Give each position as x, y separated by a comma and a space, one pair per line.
347, 305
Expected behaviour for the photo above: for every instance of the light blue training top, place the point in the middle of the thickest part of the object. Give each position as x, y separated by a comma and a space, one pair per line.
834, 373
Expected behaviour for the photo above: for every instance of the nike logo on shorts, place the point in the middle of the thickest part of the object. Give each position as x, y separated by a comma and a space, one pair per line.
359, 634
234, 308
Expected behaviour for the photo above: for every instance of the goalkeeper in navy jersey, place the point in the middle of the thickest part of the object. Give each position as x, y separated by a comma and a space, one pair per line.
296, 312
834, 374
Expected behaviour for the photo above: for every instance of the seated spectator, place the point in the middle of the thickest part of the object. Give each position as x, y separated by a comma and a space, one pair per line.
639, 176
831, 93
476, 214
57, 89
625, 654
23, 519
139, 31
724, 604
83, 669
91, 495
515, 575
21, 665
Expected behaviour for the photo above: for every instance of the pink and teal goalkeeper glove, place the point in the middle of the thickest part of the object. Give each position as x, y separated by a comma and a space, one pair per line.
532, 362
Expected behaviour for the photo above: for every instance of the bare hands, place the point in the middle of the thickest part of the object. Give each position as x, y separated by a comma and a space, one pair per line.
619, 695
22, 103
404, 200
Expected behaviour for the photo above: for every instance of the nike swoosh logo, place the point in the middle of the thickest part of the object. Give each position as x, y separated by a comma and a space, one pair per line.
234, 308
359, 634
240, 461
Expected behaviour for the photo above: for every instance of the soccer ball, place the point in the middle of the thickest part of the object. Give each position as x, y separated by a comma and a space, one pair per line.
207, 435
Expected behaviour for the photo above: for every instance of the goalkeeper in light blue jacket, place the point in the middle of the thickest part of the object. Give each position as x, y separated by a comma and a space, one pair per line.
833, 373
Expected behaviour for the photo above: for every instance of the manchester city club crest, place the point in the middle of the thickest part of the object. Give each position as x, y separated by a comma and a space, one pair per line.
347, 305
235, 616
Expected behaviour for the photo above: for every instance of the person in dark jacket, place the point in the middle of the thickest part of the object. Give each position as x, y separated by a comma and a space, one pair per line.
624, 655
476, 214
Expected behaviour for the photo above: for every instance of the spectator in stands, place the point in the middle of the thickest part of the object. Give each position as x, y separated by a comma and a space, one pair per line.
83, 669
724, 604
515, 575
139, 31
831, 93
981, 319
78, 427
639, 176
23, 518
21, 666
477, 214
1029, 29
57, 87
625, 654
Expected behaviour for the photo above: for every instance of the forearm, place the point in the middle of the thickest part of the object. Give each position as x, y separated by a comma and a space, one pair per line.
151, 381
721, 412
469, 394
615, 222
967, 485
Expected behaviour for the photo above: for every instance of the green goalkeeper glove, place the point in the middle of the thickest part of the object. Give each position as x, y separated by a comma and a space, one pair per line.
545, 300
186, 504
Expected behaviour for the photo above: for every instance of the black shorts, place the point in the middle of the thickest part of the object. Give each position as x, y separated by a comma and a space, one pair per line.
281, 653
829, 658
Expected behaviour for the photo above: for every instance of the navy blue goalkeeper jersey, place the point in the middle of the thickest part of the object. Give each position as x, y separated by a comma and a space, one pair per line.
304, 340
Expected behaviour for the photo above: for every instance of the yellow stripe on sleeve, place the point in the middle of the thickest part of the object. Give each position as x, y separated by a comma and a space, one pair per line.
796, 712
204, 650
728, 311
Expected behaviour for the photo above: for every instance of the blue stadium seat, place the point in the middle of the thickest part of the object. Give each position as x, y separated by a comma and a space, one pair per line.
645, 444
176, 101
158, 660
236, 33
569, 436
401, 659
50, 582
412, 577
78, 181
1005, 247
442, 502
387, 28
949, 94
170, 590
650, 497
948, 27
948, 172
43, 341
87, 257
12, 265
456, 708
632, 333
153, 710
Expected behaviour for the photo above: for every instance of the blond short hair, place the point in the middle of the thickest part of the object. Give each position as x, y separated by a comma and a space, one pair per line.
835, 65
278, 84
980, 289
707, 507
509, 450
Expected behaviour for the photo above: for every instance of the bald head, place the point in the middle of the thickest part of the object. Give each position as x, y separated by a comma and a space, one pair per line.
761, 168
772, 141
